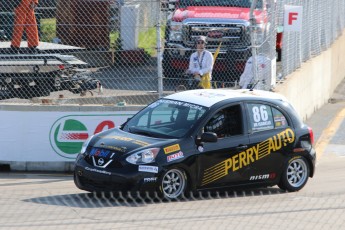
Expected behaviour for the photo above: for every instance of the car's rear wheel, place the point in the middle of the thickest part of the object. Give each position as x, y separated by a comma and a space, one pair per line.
295, 175
173, 183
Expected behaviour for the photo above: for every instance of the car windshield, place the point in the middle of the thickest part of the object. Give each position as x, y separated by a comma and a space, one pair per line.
229, 3
165, 119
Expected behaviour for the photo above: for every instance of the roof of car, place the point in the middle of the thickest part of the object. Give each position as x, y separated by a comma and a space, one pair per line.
209, 97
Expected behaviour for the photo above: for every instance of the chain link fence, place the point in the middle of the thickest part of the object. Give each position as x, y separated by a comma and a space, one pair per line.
106, 51
323, 22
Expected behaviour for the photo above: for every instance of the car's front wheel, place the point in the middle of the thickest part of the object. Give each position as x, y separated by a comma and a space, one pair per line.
295, 175
173, 183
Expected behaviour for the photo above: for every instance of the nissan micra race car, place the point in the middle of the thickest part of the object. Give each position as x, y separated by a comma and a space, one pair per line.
198, 140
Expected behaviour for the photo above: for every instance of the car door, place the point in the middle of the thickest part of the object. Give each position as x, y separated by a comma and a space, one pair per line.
223, 162
271, 138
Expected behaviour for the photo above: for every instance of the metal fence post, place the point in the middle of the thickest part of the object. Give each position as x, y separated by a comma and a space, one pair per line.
159, 51
252, 41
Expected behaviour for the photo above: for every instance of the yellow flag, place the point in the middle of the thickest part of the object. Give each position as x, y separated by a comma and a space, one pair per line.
217, 52
215, 55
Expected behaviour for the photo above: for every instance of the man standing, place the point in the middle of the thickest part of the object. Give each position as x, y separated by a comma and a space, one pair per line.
25, 19
247, 79
201, 64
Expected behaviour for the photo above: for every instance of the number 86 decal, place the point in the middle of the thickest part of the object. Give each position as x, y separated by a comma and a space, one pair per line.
260, 113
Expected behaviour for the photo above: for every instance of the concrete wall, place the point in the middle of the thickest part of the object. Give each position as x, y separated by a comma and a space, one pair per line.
312, 85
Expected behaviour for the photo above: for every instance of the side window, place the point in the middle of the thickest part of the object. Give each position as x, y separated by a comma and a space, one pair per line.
226, 122
194, 114
279, 119
260, 117
265, 117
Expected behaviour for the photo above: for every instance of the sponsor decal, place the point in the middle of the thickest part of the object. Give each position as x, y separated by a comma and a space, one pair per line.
99, 152
180, 103
146, 168
279, 121
248, 156
141, 143
155, 104
97, 171
172, 148
119, 149
68, 133
263, 176
151, 179
127, 139
175, 156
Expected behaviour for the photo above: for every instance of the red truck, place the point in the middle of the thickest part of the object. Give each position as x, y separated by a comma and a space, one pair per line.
225, 21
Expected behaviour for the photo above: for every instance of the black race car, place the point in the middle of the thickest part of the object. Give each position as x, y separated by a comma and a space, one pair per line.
201, 139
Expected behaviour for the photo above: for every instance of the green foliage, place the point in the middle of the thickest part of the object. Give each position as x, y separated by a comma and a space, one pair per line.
48, 29
147, 39
115, 41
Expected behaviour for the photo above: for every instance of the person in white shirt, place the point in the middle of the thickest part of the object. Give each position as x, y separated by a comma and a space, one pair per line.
201, 64
263, 70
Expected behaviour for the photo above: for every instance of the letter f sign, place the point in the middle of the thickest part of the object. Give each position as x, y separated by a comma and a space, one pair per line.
293, 18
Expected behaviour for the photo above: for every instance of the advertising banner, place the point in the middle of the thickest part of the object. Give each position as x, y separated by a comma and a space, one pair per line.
51, 136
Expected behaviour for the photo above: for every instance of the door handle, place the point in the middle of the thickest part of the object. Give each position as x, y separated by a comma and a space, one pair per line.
241, 147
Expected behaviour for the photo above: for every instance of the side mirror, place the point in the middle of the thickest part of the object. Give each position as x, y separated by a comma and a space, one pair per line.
209, 137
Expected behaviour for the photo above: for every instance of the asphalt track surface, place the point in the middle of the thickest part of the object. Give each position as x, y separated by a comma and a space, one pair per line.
51, 201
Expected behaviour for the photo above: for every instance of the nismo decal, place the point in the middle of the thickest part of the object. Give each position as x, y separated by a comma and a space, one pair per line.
248, 156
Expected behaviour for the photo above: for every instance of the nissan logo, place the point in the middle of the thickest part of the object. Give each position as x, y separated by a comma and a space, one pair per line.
100, 161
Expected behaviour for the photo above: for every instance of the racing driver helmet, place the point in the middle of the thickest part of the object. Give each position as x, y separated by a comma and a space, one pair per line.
216, 124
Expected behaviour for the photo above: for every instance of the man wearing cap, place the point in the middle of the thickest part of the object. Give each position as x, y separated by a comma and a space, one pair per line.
201, 64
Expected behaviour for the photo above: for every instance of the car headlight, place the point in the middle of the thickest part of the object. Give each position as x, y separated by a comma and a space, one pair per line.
175, 31
143, 157
85, 144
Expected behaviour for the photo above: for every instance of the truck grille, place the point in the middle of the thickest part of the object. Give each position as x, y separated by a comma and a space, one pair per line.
233, 33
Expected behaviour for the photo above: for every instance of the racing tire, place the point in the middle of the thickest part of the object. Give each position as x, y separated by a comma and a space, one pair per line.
295, 175
173, 184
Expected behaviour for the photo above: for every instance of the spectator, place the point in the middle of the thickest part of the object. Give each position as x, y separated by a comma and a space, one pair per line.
263, 71
201, 64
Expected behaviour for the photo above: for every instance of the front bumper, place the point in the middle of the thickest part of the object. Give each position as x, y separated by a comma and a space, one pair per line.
127, 179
